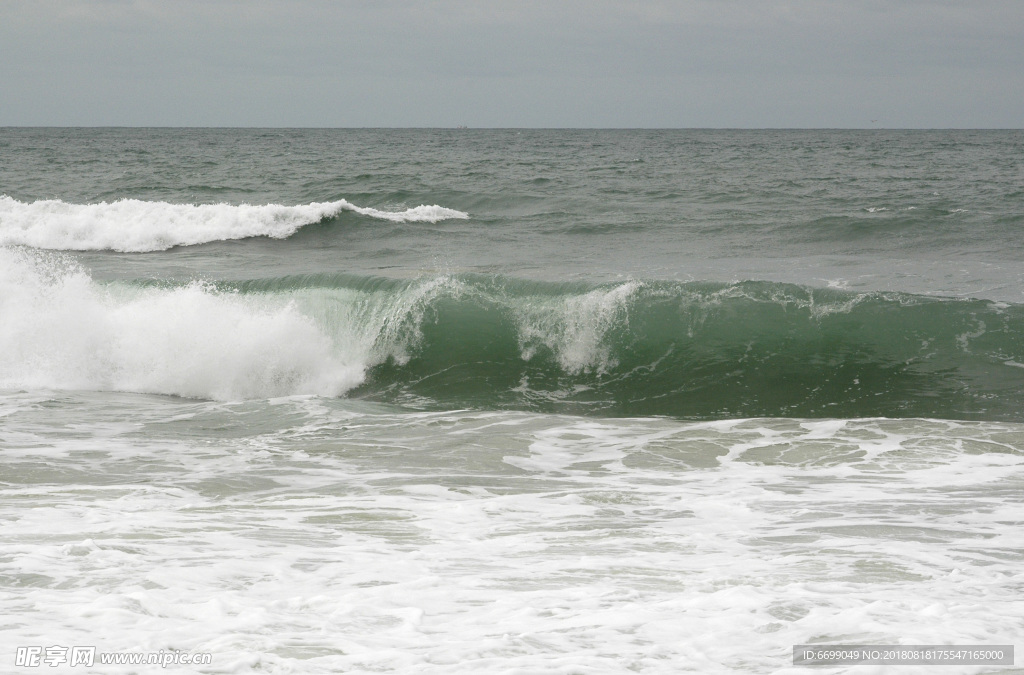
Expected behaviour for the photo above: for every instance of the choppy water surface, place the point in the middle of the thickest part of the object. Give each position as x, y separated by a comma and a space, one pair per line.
510, 401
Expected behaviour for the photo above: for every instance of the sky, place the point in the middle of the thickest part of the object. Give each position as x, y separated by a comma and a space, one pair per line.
513, 63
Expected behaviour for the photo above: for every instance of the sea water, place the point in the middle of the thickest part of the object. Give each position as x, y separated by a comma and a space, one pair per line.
509, 401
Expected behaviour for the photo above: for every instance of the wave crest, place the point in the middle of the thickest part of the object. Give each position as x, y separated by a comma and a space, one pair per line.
136, 226
695, 350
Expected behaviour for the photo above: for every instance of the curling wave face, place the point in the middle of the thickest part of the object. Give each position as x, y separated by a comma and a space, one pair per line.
132, 225
694, 350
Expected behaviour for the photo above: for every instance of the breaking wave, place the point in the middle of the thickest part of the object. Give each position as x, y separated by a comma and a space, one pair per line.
692, 350
135, 226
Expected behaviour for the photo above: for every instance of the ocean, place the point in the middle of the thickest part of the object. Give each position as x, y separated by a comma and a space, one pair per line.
509, 401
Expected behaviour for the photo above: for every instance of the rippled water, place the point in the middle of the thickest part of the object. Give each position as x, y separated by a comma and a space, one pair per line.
444, 401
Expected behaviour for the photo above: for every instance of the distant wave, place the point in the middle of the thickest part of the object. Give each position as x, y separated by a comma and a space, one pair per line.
132, 225
693, 350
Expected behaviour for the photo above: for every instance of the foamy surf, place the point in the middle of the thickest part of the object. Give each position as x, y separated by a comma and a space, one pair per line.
136, 226
62, 330
317, 536
520, 482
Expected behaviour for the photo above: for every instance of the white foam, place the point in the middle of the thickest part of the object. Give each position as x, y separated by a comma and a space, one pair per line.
61, 330
575, 328
132, 225
302, 536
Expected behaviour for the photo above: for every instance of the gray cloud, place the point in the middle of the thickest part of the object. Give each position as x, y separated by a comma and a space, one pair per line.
752, 63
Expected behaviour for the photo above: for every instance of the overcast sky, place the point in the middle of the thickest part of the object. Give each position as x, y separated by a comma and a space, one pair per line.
513, 63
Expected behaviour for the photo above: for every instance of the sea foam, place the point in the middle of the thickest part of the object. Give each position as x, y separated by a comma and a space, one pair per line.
62, 330
132, 225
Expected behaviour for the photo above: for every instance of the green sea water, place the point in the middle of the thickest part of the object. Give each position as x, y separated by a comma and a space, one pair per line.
546, 401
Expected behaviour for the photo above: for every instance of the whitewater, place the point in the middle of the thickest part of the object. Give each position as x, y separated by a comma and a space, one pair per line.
132, 225
573, 401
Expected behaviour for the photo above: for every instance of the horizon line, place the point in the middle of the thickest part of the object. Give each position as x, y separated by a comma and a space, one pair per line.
485, 128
